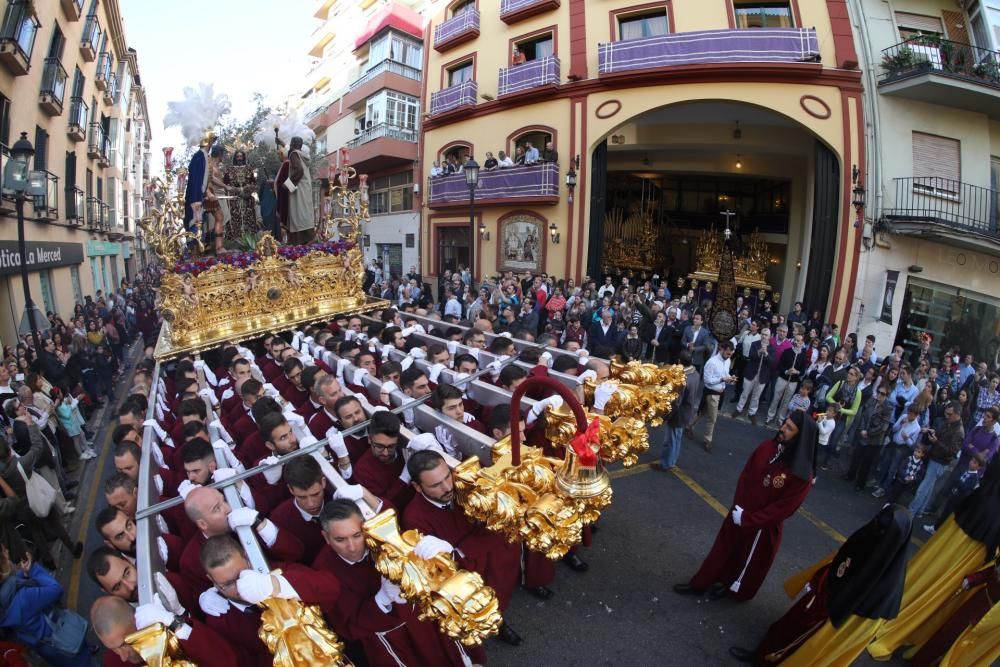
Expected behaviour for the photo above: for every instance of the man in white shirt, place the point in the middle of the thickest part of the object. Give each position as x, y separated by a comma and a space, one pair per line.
505, 162
530, 153
716, 379
606, 289
749, 335
452, 306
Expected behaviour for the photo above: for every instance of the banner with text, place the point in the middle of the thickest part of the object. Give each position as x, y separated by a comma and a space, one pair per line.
40, 255
891, 278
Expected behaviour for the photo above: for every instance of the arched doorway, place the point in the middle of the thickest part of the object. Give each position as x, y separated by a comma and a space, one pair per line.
661, 181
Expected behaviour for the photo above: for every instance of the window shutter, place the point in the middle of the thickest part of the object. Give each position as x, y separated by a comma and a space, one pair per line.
935, 156
919, 22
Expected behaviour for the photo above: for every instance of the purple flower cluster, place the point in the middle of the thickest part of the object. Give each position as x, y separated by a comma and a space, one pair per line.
242, 260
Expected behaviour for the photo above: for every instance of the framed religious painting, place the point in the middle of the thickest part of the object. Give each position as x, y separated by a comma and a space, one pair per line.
521, 243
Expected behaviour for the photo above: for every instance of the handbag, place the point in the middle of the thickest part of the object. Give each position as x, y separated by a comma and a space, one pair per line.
40, 493
291, 187
69, 630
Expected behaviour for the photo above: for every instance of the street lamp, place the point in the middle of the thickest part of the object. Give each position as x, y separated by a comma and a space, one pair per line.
472, 180
24, 183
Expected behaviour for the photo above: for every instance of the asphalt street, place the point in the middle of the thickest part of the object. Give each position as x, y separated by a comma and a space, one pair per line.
656, 532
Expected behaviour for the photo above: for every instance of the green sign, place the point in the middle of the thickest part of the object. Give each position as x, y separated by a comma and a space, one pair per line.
98, 248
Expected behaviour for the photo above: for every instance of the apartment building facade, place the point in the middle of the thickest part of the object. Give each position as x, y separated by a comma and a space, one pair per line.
71, 84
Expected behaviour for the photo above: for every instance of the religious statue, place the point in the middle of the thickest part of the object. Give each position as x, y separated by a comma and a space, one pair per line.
239, 177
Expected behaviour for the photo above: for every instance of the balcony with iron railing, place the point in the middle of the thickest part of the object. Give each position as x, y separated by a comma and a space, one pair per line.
47, 205
758, 45
532, 75
938, 71
111, 90
382, 146
512, 11
17, 36
97, 142
93, 213
91, 40
928, 205
386, 74
103, 73
73, 9
53, 90
79, 115
75, 205
459, 29
527, 184
454, 97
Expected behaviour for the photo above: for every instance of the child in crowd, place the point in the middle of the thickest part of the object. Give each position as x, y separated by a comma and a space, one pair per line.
68, 413
909, 474
825, 424
802, 400
965, 485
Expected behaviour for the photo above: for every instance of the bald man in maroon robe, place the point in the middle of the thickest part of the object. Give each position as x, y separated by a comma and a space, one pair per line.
434, 512
369, 610
381, 468
234, 618
773, 485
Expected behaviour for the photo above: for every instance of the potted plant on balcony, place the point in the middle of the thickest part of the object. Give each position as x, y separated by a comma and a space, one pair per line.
902, 60
989, 70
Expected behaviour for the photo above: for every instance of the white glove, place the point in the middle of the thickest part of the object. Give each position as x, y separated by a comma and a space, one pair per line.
408, 331
586, 375
408, 416
388, 387
151, 613
495, 367
352, 492
388, 593
212, 602
349, 335
738, 515
506, 334
223, 474
418, 353
157, 455
241, 516
434, 372
538, 408
168, 595
255, 587
161, 524
296, 339
468, 418
459, 377
419, 443
342, 365
452, 347
430, 546
474, 352
220, 431
446, 439
309, 340
373, 346
186, 487
307, 360
335, 441
603, 394
272, 475
386, 352
227, 394
161, 547
404, 477
307, 440
221, 447
546, 357
270, 390
405, 363
359, 377
159, 411
199, 364
152, 423
158, 481
583, 353
292, 417
419, 327
362, 337
209, 396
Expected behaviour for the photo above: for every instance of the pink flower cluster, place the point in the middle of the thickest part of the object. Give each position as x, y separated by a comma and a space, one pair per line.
242, 260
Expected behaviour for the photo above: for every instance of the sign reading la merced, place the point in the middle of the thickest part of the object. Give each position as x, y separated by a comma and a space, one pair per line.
40, 255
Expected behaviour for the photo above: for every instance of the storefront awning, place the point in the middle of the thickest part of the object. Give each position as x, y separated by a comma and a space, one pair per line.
393, 16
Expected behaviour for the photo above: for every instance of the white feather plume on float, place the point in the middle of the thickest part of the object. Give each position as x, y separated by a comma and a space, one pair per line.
288, 126
200, 110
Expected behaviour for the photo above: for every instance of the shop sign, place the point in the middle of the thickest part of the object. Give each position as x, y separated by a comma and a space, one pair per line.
98, 248
891, 278
40, 255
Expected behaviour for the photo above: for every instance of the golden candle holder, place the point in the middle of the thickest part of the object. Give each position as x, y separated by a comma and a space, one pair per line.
296, 634
158, 646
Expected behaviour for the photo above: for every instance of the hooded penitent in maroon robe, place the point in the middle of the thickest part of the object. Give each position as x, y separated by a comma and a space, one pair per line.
489, 554
774, 483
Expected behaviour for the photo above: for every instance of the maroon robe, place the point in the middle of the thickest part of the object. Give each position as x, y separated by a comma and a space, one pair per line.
203, 647
320, 423
251, 450
309, 533
240, 627
742, 555
383, 480
272, 494
489, 554
243, 427
801, 622
286, 547
388, 639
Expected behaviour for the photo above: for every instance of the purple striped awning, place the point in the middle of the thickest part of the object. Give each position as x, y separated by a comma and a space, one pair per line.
508, 7
784, 45
536, 180
464, 94
461, 23
532, 74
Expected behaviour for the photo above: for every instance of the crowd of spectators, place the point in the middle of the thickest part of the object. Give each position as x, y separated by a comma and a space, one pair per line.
48, 396
524, 154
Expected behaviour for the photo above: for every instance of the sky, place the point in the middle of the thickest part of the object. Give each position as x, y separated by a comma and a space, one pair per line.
241, 47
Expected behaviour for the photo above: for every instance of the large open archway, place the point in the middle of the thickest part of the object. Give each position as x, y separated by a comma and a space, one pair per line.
664, 176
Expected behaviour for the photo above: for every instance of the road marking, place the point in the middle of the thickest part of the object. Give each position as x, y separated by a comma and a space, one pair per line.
700, 491
74, 577
822, 525
628, 472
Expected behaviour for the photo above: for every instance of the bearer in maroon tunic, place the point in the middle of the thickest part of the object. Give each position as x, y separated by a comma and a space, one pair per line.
774, 483
381, 468
433, 512
234, 616
370, 610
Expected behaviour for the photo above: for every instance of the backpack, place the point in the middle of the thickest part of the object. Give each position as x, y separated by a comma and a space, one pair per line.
69, 630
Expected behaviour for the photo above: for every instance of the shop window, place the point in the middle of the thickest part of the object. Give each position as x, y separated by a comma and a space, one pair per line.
763, 14
640, 26
460, 73
48, 296
936, 164
536, 48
